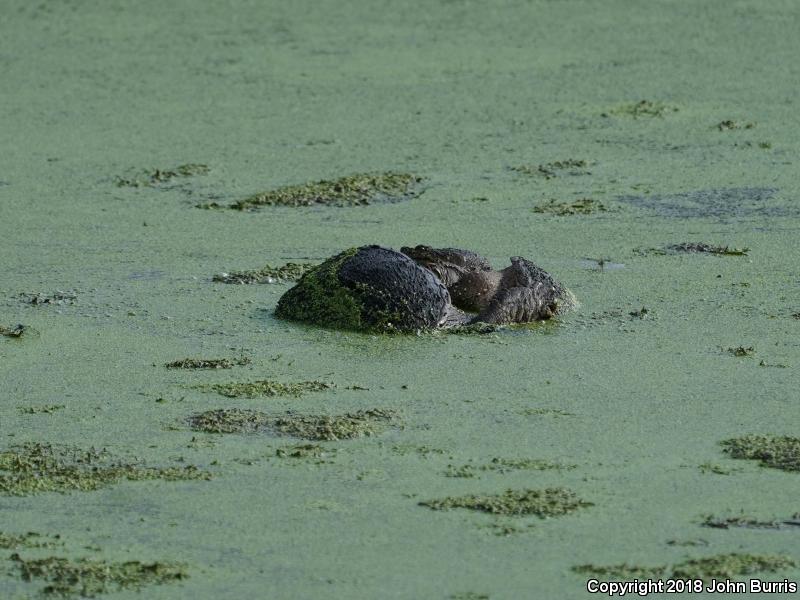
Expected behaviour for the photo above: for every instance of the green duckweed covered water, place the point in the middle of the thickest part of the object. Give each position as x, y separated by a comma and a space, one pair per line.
521, 119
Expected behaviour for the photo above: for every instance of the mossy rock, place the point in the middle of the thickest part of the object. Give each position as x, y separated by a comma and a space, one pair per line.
370, 288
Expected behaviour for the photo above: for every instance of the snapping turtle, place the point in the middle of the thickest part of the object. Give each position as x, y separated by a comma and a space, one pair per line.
377, 288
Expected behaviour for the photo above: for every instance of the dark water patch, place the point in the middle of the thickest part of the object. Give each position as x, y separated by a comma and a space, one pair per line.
717, 566
719, 203
583, 206
362, 423
265, 388
34, 468
548, 502
776, 452
351, 190
157, 177
268, 274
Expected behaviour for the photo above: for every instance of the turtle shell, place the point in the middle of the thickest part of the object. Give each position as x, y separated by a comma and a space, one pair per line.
369, 288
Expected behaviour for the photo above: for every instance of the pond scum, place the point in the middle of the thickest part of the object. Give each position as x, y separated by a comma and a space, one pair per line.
776, 452
268, 274
265, 387
548, 502
717, 566
352, 190
35, 468
361, 423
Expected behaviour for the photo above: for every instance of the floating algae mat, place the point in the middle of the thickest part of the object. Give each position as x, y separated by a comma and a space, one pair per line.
87, 578
154, 177
776, 452
362, 423
718, 566
268, 274
37, 468
584, 206
352, 190
207, 363
265, 387
549, 502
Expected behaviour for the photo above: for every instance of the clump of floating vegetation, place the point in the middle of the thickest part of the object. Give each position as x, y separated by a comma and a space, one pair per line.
742, 351
749, 522
58, 297
268, 274
776, 452
13, 332
33, 468
548, 502
583, 206
29, 539
301, 451
208, 363
643, 108
42, 409
312, 427
700, 247
475, 329
351, 190
552, 169
87, 577
265, 387
504, 465
729, 124
229, 420
720, 565
153, 177
362, 423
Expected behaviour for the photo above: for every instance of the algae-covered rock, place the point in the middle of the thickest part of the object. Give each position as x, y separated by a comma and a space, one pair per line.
370, 288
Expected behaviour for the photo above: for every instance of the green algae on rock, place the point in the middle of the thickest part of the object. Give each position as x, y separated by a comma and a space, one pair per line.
351, 190
34, 468
776, 452
153, 177
265, 387
584, 206
548, 502
84, 577
268, 274
361, 423
720, 565
207, 363
369, 289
